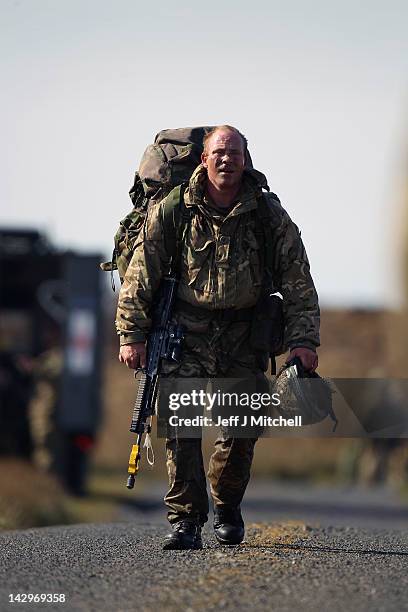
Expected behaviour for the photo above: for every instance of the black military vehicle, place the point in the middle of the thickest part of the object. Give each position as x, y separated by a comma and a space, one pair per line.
50, 334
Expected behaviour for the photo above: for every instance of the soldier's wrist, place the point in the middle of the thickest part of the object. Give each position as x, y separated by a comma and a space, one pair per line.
306, 345
132, 337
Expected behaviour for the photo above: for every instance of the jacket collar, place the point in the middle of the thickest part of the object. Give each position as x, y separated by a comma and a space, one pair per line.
252, 184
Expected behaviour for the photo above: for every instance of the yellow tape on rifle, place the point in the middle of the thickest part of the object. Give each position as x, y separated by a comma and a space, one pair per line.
134, 460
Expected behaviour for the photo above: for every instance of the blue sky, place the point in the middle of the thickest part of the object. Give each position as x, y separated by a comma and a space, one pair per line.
319, 89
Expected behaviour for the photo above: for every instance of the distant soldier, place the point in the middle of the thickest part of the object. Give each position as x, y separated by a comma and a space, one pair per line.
47, 370
221, 277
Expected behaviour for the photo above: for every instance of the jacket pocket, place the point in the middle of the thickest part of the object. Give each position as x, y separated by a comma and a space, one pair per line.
197, 259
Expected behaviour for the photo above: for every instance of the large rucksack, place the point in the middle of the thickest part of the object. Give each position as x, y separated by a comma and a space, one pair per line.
166, 164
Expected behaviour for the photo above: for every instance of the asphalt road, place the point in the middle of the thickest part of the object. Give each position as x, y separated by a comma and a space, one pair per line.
282, 565
267, 501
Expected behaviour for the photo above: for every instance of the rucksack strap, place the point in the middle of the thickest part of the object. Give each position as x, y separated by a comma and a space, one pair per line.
176, 219
264, 230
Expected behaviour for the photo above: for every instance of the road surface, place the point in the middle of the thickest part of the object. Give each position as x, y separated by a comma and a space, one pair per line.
340, 550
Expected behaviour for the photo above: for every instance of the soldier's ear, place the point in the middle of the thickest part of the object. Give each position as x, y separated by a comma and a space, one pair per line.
204, 159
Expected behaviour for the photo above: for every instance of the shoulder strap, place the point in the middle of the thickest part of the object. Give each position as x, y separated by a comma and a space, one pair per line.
176, 217
264, 229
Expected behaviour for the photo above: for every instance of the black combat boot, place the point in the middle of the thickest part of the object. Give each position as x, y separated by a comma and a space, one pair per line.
228, 525
185, 535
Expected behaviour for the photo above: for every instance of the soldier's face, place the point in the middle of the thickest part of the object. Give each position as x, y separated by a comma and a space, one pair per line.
224, 159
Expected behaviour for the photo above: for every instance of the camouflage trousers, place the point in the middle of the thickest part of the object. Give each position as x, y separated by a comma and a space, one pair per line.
211, 349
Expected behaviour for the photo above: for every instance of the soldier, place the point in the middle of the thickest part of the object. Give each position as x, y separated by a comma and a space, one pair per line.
221, 277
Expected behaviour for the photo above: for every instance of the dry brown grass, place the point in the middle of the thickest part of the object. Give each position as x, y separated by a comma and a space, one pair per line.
32, 498
29, 498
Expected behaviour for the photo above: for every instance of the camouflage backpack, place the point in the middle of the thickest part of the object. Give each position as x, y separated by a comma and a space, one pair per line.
166, 164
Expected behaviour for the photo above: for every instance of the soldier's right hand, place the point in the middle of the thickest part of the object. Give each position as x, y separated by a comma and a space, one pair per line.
134, 355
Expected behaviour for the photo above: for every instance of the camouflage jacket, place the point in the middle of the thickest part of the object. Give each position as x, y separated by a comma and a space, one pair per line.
221, 265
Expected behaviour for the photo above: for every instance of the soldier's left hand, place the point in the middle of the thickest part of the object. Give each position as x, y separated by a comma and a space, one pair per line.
308, 358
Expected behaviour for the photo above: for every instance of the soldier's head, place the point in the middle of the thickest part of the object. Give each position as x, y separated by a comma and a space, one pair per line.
224, 156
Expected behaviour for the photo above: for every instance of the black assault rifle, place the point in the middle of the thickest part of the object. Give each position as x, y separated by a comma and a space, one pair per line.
164, 342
